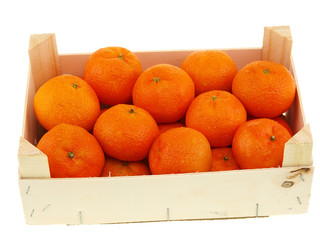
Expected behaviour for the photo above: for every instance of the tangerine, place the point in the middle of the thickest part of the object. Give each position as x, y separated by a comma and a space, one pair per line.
259, 143
180, 150
114, 167
265, 88
163, 127
210, 70
72, 152
217, 114
126, 132
165, 91
66, 99
223, 160
112, 72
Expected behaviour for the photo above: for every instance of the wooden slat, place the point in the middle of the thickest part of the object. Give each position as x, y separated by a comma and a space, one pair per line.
230, 194
74, 63
32, 162
44, 60
295, 115
243, 193
298, 150
277, 45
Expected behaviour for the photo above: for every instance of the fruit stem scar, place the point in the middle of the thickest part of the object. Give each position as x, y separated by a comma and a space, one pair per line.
131, 110
75, 85
71, 155
214, 98
156, 79
273, 138
121, 56
266, 71
225, 158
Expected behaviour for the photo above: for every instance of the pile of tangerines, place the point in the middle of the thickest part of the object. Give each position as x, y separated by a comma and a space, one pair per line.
202, 116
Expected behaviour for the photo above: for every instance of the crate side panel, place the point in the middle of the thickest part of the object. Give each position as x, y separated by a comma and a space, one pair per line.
295, 115
31, 129
74, 63
248, 193
44, 60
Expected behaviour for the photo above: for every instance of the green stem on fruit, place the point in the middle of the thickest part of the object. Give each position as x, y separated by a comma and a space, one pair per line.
273, 138
120, 56
225, 158
71, 155
131, 110
75, 85
266, 71
214, 98
156, 79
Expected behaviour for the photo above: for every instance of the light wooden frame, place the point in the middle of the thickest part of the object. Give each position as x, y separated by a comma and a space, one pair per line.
211, 195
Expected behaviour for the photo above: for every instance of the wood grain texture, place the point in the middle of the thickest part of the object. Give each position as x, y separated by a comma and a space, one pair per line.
277, 45
32, 162
44, 60
230, 194
212, 195
298, 150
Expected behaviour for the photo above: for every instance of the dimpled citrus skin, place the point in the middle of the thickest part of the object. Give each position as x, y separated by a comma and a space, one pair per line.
259, 143
163, 127
66, 99
112, 72
87, 157
217, 114
223, 160
114, 167
165, 91
126, 132
180, 150
210, 70
266, 89
282, 120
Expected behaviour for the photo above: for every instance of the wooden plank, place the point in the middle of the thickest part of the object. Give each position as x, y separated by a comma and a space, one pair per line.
44, 60
230, 194
277, 45
295, 115
32, 162
31, 128
298, 150
74, 63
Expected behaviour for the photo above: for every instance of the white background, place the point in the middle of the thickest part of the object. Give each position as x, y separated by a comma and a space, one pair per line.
85, 26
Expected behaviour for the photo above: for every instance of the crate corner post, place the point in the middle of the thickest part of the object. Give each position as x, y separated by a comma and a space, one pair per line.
44, 58
298, 150
32, 162
277, 45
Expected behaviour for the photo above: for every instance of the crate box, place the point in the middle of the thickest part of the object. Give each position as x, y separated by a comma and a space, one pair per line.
192, 196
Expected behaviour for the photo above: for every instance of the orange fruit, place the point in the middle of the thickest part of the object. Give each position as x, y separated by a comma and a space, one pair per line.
112, 72
165, 91
259, 143
223, 160
210, 70
282, 120
167, 126
217, 114
126, 132
180, 150
66, 99
72, 152
114, 167
266, 89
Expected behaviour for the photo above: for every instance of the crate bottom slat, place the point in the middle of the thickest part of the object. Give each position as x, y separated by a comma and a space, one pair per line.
212, 195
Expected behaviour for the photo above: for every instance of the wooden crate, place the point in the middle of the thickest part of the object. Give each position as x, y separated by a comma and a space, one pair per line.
211, 195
